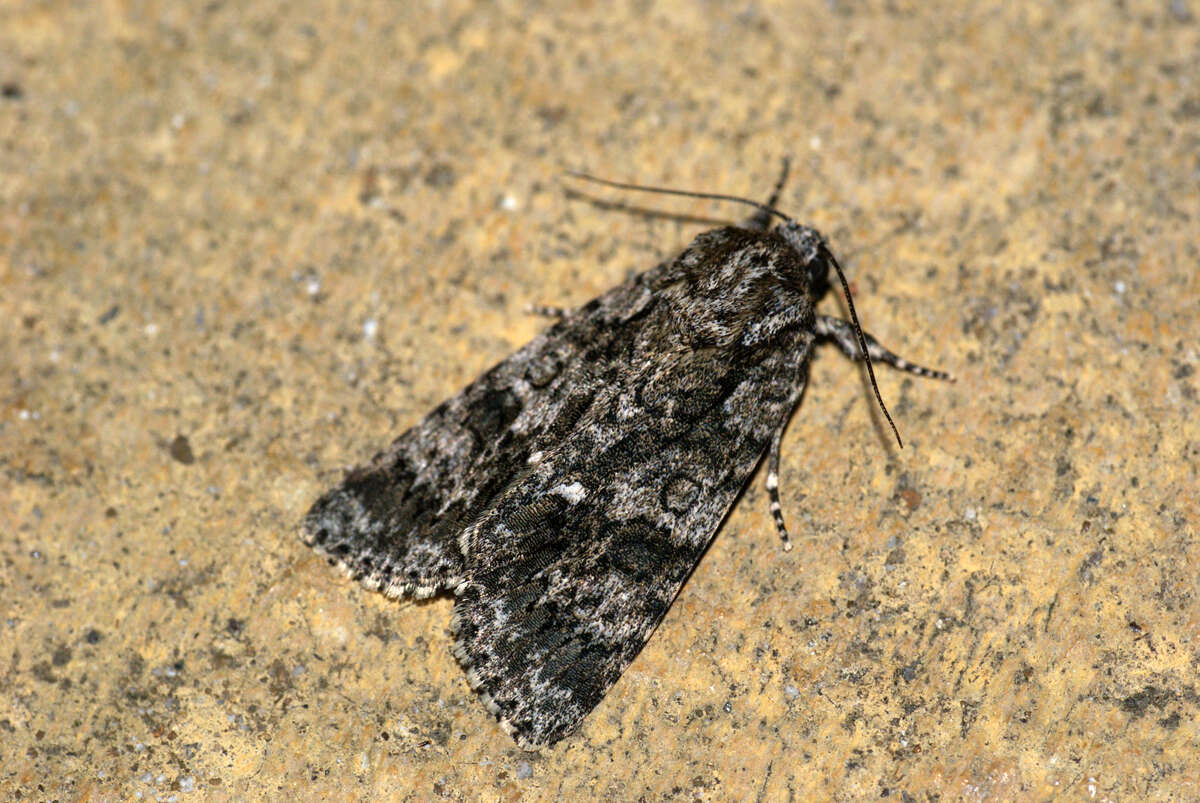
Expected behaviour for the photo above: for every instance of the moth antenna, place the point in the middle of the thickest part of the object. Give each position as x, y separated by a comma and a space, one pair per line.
712, 196
783, 177
862, 344
761, 220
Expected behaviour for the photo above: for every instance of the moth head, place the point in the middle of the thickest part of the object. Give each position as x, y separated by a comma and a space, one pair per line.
810, 247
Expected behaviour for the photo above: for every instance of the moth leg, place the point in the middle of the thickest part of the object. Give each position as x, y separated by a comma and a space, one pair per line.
761, 220
773, 486
842, 333
547, 311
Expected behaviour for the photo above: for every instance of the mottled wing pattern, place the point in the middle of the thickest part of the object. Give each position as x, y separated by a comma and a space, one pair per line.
566, 495
572, 568
394, 523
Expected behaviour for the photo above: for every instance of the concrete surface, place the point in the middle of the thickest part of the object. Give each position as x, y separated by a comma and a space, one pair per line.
243, 245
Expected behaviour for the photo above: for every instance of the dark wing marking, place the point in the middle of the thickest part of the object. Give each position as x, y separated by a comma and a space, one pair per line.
394, 523
573, 567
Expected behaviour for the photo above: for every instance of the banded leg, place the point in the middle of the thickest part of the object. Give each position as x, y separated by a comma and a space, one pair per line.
773, 486
547, 311
842, 333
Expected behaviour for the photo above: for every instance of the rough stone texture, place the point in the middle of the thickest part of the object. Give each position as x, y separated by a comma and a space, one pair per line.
243, 245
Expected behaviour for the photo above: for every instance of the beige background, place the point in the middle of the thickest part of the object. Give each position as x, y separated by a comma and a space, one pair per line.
243, 246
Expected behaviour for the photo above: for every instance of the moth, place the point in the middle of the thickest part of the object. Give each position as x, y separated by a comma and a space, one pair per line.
565, 495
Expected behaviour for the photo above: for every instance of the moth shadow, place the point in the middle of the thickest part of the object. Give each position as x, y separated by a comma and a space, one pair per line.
642, 211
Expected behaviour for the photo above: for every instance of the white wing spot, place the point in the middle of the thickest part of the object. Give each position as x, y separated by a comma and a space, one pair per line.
573, 493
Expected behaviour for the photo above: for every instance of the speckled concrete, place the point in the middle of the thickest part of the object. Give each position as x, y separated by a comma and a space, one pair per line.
242, 247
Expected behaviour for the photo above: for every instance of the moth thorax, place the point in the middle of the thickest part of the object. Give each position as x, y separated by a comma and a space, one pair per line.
809, 245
